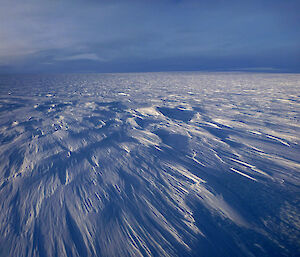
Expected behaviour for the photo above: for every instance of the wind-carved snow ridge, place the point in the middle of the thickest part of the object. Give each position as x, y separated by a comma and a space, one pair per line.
156, 164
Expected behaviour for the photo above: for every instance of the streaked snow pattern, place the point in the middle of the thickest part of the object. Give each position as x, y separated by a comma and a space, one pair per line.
154, 164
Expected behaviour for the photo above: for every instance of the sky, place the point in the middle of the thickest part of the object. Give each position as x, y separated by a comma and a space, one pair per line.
139, 36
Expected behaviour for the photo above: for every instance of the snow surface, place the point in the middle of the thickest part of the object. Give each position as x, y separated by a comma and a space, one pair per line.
155, 164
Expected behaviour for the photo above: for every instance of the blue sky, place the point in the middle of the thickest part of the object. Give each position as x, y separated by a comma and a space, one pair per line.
130, 36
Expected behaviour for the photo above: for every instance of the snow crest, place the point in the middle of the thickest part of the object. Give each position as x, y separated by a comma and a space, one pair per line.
156, 164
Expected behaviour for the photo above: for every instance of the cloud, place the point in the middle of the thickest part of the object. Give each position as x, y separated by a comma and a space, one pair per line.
87, 56
134, 33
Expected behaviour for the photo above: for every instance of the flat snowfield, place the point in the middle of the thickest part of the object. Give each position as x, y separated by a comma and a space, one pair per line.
150, 164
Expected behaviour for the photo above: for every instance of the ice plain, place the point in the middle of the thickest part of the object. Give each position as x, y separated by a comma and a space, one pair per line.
150, 164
